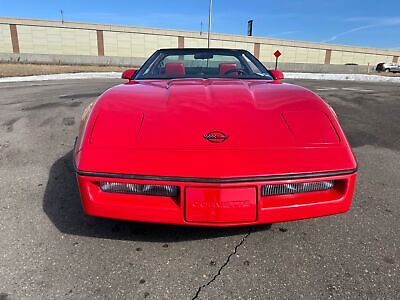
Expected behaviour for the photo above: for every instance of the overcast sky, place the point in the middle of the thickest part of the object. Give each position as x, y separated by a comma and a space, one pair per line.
352, 22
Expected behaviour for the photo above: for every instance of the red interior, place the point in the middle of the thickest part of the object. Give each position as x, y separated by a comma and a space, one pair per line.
175, 68
224, 67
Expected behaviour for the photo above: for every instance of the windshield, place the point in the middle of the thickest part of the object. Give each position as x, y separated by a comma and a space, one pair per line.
202, 63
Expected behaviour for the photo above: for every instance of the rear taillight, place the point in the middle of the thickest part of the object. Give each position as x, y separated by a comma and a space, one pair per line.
294, 188
139, 189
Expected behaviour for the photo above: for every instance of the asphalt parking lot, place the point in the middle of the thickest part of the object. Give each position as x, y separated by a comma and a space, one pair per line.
49, 249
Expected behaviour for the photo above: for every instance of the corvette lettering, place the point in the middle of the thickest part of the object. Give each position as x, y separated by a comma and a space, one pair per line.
225, 204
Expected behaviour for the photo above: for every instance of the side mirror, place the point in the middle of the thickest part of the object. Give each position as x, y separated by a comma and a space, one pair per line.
128, 74
278, 75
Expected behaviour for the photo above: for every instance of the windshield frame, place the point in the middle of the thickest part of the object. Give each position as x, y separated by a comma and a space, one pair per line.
237, 53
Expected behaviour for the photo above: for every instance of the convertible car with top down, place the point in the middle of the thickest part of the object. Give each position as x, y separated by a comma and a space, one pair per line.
211, 137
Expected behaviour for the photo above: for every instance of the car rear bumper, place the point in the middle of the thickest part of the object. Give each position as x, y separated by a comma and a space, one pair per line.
218, 203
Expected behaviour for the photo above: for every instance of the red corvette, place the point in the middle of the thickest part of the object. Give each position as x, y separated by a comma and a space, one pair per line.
210, 137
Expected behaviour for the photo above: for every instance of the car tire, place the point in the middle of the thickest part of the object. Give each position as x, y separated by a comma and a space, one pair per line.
387, 70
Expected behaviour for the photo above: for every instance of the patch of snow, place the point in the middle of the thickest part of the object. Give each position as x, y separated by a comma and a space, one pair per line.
347, 77
63, 76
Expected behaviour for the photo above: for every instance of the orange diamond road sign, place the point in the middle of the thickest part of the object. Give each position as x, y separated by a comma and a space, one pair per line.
277, 53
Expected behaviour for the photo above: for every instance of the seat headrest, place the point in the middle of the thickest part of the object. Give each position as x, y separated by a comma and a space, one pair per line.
175, 68
223, 67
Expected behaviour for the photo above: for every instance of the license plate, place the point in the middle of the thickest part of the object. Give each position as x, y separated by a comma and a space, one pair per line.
220, 205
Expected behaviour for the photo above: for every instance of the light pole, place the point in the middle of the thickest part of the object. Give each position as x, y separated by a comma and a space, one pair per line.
209, 24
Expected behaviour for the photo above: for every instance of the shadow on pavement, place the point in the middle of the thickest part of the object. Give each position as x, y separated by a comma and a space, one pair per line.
62, 205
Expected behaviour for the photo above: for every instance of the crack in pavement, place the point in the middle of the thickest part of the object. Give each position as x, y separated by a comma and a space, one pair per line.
223, 265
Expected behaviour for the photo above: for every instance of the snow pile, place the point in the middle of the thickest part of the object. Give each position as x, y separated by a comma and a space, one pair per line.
63, 76
349, 77
289, 75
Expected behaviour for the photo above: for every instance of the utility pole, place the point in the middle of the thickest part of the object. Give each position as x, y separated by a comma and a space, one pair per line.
62, 16
209, 23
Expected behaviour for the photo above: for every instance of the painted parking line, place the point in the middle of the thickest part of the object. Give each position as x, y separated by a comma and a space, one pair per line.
327, 89
24, 85
366, 91
357, 90
352, 89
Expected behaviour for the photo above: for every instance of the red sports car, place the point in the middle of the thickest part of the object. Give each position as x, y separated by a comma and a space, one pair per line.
210, 137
